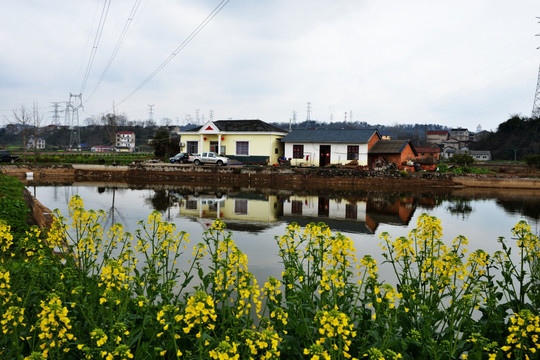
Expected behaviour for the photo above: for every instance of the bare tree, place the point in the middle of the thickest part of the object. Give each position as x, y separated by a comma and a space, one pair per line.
166, 122
22, 120
37, 119
90, 121
121, 120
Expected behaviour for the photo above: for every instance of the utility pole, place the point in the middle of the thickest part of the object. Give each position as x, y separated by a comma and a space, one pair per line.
308, 116
536, 103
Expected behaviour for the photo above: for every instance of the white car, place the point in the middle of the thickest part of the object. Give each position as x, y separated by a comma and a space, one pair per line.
210, 158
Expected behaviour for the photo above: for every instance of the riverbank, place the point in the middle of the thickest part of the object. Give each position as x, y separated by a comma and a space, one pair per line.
263, 177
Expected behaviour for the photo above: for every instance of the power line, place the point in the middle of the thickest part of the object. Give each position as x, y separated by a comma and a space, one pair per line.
184, 43
117, 46
101, 25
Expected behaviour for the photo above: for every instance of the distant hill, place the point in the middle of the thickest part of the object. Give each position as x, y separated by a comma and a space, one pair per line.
514, 139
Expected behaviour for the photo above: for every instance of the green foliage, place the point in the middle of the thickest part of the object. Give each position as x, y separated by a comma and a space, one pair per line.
442, 168
13, 208
461, 159
164, 144
533, 161
516, 137
90, 158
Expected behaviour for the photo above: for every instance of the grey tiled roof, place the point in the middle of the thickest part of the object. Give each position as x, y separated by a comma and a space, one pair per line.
347, 136
390, 147
243, 126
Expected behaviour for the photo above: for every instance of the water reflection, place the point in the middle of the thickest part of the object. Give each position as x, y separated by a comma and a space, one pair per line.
360, 212
257, 216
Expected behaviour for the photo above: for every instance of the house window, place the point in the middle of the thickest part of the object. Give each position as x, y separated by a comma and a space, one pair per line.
241, 206
352, 152
298, 151
296, 207
191, 204
192, 147
351, 211
242, 148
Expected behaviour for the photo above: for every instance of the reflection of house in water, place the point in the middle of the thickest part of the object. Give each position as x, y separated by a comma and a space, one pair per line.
257, 212
339, 215
242, 212
392, 212
359, 216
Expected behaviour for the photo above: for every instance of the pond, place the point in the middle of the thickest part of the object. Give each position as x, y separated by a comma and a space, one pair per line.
256, 217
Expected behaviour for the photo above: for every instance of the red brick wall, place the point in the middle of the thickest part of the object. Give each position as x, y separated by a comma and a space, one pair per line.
375, 138
407, 154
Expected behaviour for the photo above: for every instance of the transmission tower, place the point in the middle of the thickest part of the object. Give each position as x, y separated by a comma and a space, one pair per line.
151, 112
56, 113
536, 104
72, 120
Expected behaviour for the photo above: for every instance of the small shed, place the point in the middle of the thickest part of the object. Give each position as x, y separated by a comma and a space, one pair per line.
391, 153
426, 153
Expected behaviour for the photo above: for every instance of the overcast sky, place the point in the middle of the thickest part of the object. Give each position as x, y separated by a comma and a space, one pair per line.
458, 63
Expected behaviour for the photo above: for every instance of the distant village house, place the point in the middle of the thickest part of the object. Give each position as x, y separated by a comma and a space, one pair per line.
125, 141
37, 144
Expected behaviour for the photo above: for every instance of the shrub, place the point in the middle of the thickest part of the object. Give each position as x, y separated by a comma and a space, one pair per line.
461, 159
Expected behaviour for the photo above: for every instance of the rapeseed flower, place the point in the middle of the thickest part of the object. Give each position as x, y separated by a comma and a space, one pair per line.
225, 350
54, 324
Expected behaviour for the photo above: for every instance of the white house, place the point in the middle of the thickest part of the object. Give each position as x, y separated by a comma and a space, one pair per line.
33, 143
125, 141
321, 147
479, 155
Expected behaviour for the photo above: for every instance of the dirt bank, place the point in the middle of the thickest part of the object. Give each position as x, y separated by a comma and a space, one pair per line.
40, 215
259, 177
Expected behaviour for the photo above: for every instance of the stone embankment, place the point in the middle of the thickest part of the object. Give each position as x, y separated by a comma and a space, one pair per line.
276, 177
40, 215
264, 177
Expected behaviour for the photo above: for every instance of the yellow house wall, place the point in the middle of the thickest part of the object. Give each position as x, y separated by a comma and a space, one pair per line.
258, 210
259, 144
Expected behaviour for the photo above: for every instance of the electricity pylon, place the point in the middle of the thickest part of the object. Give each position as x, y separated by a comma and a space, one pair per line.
72, 120
536, 103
